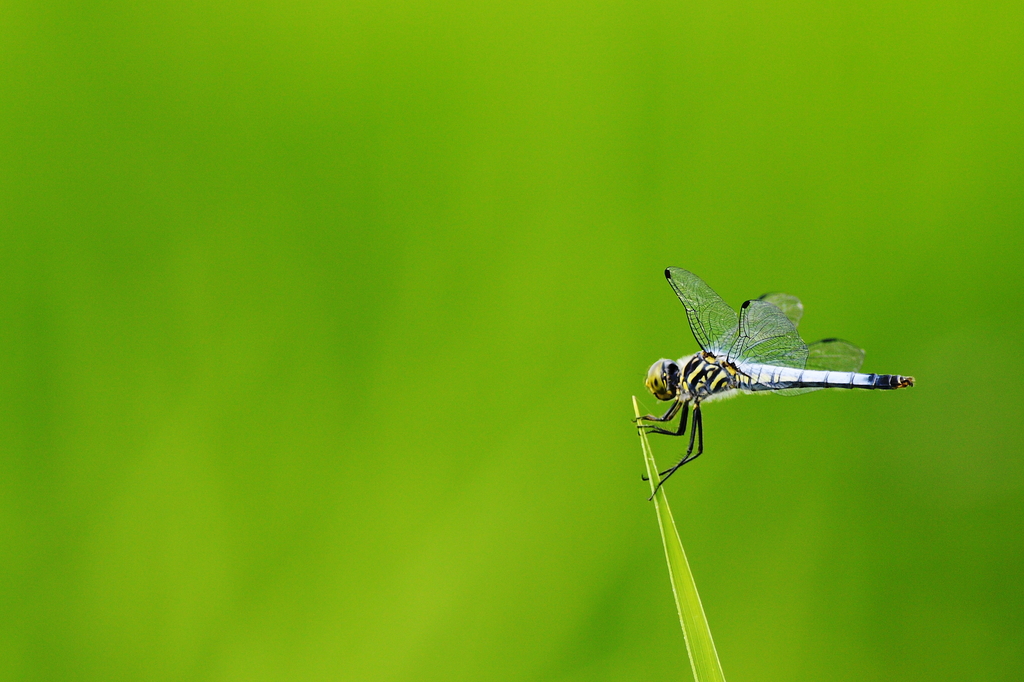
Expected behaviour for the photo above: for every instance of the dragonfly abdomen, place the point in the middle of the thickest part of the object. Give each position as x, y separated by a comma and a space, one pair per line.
770, 378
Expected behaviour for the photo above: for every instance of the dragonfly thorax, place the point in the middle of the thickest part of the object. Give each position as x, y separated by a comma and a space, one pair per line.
705, 375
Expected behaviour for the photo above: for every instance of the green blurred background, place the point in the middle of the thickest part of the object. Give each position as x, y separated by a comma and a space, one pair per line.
319, 324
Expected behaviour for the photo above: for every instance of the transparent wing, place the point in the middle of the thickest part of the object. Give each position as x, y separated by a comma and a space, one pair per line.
767, 337
790, 305
712, 321
832, 354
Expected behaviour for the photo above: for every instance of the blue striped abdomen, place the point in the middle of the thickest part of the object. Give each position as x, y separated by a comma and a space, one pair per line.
771, 378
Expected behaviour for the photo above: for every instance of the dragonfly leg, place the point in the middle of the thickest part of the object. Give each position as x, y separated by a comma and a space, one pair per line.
678, 432
682, 423
698, 425
667, 417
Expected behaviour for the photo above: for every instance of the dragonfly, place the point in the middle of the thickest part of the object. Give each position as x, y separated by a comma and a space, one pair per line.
757, 351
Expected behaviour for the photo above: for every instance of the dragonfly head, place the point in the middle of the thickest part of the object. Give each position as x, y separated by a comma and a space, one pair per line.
663, 379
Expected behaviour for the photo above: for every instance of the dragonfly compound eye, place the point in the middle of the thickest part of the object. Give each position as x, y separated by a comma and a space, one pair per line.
661, 380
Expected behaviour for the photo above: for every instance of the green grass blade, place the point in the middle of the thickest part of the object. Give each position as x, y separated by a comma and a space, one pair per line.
699, 645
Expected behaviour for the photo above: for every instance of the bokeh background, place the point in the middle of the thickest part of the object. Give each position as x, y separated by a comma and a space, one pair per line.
319, 324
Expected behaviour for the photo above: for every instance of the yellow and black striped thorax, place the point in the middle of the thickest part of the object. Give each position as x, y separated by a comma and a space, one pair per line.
706, 374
